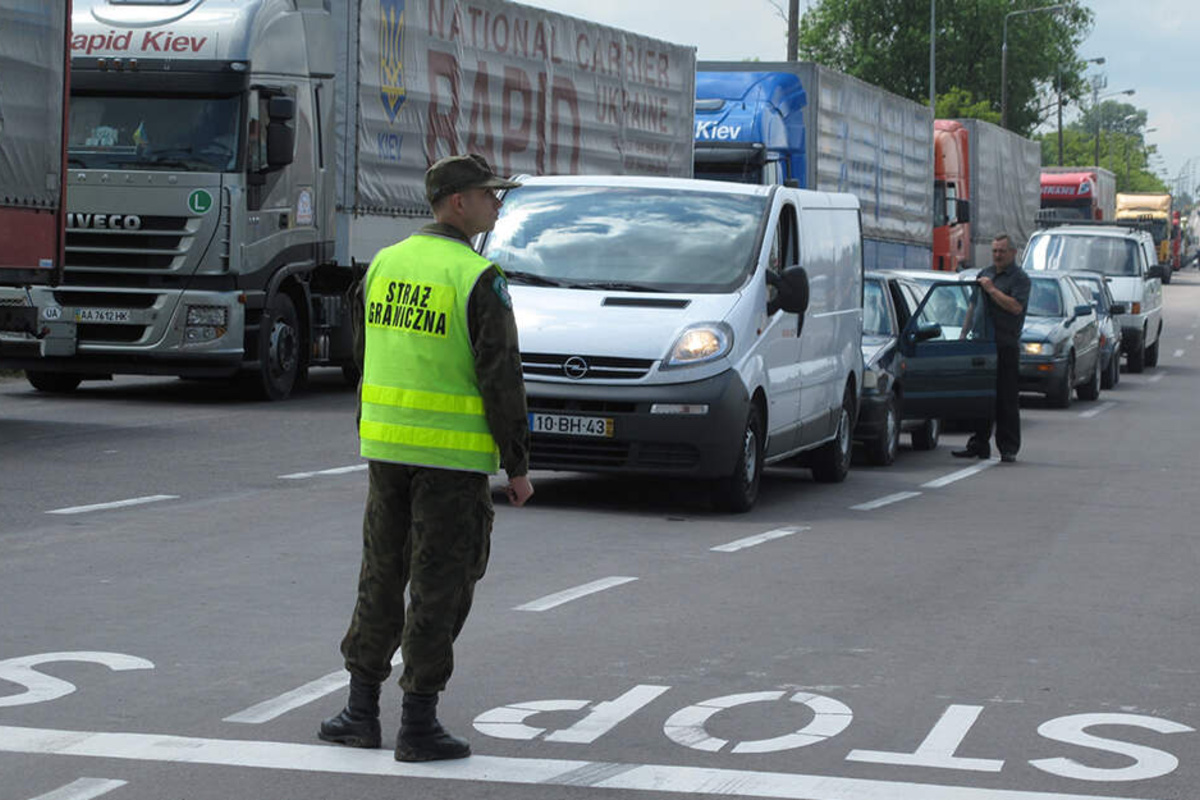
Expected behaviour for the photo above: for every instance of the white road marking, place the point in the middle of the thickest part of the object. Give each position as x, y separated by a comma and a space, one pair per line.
656, 778
751, 541
268, 710
82, 789
946, 480
1157, 378
886, 500
1191, 337
939, 748
299, 476
1100, 409
1178, 354
136, 501
567, 595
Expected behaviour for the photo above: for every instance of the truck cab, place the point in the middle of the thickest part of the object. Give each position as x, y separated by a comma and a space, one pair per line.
951, 196
749, 127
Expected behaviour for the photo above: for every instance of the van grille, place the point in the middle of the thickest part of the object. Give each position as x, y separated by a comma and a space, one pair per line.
593, 367
155, 246
550, 452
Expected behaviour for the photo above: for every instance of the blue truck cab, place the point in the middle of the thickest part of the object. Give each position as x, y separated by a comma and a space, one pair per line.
750, 127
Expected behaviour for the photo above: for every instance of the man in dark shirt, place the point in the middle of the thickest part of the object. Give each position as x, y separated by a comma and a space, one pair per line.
1006, 287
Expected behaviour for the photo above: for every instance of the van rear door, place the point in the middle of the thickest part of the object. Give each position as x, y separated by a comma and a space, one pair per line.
950, 355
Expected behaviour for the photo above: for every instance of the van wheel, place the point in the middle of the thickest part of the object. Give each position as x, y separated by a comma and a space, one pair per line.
1136, 359
926, 436
1152, 352
1109, 379
54, 382
737, 492
831, 462
882, 451
279, 355
1060, 397
1091, 389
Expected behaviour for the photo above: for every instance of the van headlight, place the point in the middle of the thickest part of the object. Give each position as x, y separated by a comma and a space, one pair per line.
700, 344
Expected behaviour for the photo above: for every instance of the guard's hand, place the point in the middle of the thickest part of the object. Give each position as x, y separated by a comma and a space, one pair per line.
519, 490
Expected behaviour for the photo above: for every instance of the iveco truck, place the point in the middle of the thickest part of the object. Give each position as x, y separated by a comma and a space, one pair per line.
233, 164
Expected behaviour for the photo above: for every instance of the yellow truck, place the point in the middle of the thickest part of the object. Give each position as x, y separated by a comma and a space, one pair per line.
1156, 209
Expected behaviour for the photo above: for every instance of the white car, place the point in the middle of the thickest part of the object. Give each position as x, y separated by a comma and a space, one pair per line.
1124, 255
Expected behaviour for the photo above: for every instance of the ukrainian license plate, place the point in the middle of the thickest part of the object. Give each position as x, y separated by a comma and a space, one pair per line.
569, 425
108, 316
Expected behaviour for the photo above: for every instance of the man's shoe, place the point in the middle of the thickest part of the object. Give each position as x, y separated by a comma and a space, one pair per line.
971, 452
421, 736
358, 723
1008, 458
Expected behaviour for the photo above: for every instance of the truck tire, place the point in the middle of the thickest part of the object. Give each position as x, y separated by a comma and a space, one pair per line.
53, 382
737, 492
1060, 396
926, 436
882, 451
1091, 389
279, 357
831, 462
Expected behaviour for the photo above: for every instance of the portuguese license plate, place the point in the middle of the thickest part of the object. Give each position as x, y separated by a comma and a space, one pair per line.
570, 425
108, 316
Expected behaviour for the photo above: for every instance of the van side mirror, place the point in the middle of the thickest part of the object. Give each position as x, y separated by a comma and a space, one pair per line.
1118, 308
791, 290
964, 210
1156, 271
1083, 310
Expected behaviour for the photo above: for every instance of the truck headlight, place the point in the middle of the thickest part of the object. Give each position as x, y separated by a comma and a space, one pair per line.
700, 344
1036, 348
205, 323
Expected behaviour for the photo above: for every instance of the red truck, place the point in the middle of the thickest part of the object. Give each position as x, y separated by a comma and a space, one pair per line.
34, 92
985, 182
1074, 193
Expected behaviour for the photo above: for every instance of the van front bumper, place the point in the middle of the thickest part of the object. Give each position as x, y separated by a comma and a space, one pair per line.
669, 444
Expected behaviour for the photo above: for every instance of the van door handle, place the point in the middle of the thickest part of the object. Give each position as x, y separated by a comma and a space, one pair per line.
978, 361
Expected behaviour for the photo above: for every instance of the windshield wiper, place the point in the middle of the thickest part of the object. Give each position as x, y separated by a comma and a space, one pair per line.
516, 276
618, 286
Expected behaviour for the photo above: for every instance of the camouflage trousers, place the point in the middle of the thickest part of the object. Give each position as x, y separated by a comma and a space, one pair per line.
429, 529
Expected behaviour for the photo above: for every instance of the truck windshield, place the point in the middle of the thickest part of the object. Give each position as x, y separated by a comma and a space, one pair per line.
190, 134
1109, 255
627, 238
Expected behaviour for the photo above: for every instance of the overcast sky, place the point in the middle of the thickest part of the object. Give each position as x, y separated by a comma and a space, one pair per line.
1152, 46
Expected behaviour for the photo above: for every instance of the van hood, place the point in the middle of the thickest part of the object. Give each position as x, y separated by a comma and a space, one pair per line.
603, 323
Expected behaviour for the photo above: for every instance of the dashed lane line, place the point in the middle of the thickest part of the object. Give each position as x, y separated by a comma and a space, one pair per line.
296, 698
1191, 337
654, 778
135, 501
751, 541
567, 595
1100, 409
946, 480
886, 500
83, 789
1157, 378
299, 476
1178, 354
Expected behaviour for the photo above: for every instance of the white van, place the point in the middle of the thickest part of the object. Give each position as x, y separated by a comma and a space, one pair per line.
1125, 256
696, 329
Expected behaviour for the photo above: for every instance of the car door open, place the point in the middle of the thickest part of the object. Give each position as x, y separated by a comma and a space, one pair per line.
950, 351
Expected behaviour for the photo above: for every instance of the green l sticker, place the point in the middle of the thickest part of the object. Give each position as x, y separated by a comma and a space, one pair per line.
200, 201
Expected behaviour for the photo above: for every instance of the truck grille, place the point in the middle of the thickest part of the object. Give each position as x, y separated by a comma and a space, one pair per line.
578, 367
88, 332
155, 246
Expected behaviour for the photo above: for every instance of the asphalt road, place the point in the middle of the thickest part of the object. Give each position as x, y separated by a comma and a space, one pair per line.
1011, 632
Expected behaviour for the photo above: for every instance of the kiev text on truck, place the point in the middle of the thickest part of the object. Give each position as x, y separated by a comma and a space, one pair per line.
235, 164
811, 127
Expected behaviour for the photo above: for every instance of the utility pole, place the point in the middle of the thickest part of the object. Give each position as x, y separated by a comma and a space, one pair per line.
793, 30
933, 57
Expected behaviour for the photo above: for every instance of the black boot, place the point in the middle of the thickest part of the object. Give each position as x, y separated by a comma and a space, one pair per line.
358, 724
421, 736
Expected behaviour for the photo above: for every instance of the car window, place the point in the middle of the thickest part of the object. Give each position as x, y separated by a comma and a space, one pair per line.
951, 308
1095, 290
1109, 255
1045, 298
877, 318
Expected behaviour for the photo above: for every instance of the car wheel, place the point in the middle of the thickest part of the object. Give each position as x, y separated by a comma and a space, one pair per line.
831, 462
926, 436
738, 491
279, 351
54, 382
1152, 352
882, 451
1091, 389
1061, 396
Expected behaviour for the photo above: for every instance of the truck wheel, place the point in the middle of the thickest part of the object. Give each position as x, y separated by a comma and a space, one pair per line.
831, 462
882, 451
278, 350
1060, 397
926, 436
738, 491
1091, 389
1152, 352
54, 382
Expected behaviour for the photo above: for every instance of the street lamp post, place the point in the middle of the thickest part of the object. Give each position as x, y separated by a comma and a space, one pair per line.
1099, 60
1004, 57
1096, 111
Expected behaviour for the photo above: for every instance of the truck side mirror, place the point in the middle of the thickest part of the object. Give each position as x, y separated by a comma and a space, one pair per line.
791, 290
281, 145
281, 108
964, 210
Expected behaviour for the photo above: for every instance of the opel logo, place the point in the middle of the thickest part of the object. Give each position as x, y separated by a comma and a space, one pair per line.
575, 368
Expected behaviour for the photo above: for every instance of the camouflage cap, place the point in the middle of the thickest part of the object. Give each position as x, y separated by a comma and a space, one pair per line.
459, 173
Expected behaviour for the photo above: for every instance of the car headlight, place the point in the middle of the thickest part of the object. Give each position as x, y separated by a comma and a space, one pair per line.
1036, 348
700, 344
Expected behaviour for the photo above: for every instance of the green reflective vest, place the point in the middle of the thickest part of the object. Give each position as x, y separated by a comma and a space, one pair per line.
420, 398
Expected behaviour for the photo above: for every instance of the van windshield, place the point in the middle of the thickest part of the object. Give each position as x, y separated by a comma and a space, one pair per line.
599, 237
1109, 255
